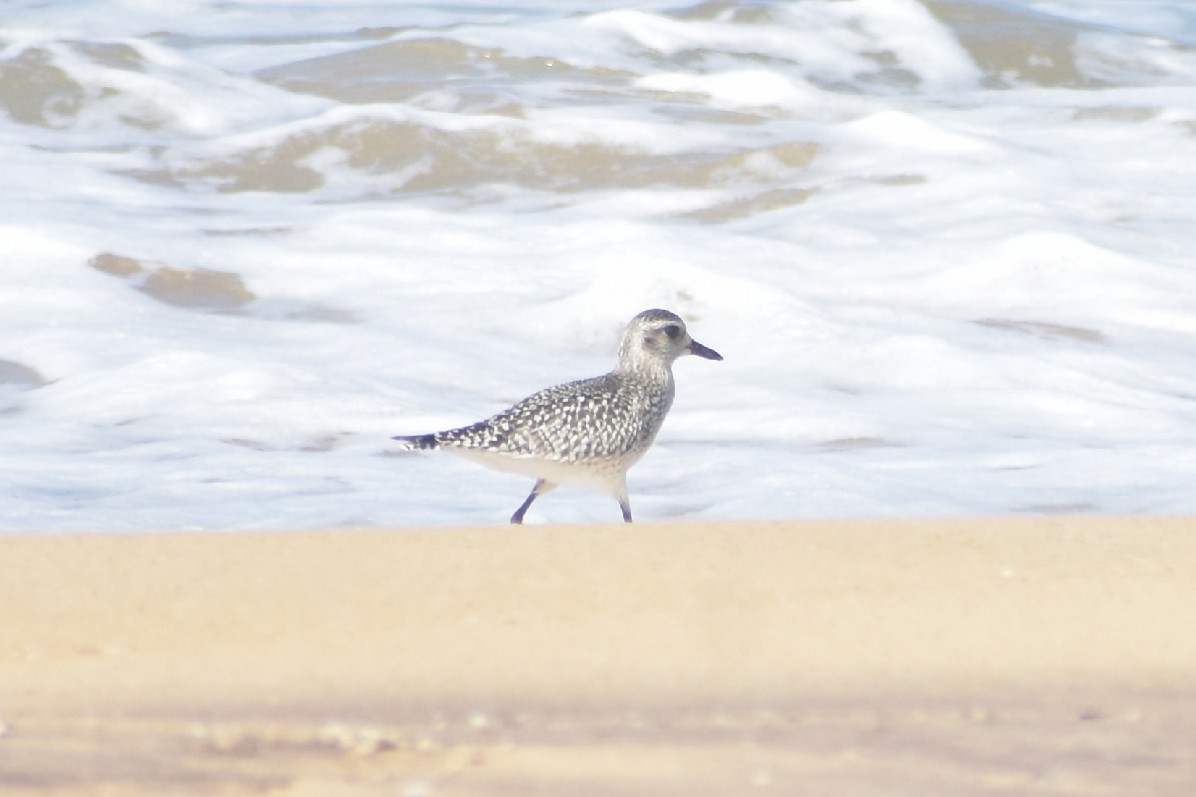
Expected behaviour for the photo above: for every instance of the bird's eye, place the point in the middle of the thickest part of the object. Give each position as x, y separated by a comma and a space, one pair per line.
672, 330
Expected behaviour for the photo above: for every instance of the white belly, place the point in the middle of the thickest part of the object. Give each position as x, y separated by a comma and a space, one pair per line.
603, 475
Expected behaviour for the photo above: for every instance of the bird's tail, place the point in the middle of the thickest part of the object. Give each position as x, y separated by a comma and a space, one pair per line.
417, 441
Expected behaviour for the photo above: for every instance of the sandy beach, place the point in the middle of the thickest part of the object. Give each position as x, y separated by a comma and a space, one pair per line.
1028, 656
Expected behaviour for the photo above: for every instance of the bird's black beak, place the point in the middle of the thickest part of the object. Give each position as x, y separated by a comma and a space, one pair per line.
702, 351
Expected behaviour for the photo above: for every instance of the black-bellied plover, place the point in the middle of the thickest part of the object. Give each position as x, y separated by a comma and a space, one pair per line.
585, 433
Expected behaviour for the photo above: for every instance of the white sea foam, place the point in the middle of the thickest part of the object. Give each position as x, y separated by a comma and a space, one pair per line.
945, 250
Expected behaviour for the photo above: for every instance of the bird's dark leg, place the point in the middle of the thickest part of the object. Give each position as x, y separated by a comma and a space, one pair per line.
542, 486
624, 501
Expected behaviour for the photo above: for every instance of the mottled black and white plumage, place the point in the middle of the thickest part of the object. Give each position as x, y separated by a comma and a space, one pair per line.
585, 433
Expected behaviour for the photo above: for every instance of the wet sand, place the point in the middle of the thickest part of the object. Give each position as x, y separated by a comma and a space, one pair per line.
1030, 656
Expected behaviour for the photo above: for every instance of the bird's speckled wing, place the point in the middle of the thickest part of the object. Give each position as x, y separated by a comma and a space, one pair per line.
606, 416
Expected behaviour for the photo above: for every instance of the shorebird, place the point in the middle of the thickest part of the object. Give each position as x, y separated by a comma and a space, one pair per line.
585, 433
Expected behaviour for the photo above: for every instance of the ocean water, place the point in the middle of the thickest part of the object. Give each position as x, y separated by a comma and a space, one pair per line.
947, 248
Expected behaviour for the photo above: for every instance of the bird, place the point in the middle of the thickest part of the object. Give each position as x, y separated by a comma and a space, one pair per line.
585, 433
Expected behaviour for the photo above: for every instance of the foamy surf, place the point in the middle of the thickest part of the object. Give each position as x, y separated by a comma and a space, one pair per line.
944, 247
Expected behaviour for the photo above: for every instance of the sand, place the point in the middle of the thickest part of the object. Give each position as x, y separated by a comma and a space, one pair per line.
1031, 656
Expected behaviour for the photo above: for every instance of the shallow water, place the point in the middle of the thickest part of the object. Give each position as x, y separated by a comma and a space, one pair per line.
945, 248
